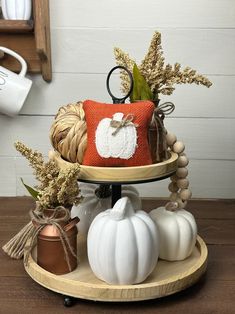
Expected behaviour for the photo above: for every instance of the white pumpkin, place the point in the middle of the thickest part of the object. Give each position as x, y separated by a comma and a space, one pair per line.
16, 9
92, 204
123, 144
122, 244
177, 232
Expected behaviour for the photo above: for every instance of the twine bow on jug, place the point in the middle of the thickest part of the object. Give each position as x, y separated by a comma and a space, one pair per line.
59, 215
159, 114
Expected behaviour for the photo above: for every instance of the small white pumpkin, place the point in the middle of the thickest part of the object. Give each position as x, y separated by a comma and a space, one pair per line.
92, 204
16, 9
177, 232
120, 145
122, 244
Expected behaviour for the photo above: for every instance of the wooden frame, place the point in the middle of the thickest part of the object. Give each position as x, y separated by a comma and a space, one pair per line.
31, 39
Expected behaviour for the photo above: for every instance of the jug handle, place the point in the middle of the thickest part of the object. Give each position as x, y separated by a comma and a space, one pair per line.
71, 224
18, 57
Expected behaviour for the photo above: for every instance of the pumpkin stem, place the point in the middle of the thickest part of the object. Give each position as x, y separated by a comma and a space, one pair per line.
118, 116
171, 206
122, 208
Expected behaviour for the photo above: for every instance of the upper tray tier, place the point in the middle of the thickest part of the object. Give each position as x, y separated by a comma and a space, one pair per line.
123, 175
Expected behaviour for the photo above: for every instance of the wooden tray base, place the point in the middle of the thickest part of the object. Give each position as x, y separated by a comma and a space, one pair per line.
166, 279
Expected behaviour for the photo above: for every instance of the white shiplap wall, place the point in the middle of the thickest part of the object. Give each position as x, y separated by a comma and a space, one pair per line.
200, 34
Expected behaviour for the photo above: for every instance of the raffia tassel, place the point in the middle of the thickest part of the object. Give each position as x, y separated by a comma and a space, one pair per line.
15, 247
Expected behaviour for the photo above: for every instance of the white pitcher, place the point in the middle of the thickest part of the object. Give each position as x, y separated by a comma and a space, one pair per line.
16, 9
14, 88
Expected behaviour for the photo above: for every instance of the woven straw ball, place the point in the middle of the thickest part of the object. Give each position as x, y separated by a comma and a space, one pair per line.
68, 133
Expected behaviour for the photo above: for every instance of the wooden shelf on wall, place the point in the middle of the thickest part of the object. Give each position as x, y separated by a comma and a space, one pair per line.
31, 39
16, 26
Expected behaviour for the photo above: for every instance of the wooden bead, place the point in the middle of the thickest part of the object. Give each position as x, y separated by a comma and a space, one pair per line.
174, 178
178, 147
170, 139
182, 161
182, 172
181, 204
174, 196
185, 194
182, 183
172, 187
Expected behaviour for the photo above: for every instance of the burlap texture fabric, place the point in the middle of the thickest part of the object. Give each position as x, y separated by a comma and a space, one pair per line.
68, 133
95, 112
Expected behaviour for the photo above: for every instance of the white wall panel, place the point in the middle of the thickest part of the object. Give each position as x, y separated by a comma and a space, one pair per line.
210, 51
143, 14
32, 130
205, 138
208, 179
7, 176
190, 100
24, 171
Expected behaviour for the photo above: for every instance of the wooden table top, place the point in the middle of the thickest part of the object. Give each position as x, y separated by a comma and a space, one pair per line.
214, 293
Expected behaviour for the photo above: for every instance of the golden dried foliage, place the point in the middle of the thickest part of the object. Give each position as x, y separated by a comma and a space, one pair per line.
124, 59
57, 187
161, 78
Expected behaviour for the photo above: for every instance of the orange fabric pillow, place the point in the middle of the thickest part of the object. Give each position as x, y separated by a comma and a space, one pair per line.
98, 118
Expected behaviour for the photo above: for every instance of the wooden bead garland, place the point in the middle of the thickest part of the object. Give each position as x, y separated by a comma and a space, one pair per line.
185, 194
173, 187
178, 147
174, 196
182, 183
170, 139
181, 204
182, 172
174, 178
178, 186
183, 161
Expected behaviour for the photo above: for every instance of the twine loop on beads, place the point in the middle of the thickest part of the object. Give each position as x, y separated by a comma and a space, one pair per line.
164, 109
171, 206
127, 120
180, 193
40, 220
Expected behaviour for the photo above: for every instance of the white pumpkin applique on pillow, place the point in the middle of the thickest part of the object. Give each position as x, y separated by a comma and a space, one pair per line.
116, 137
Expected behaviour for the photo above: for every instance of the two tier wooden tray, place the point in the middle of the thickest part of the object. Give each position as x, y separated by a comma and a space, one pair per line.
166, 279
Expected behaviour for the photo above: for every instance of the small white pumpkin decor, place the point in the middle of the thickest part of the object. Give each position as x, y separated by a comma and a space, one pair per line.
177, 231
16, 9
116, 137
97, 199
122, 244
